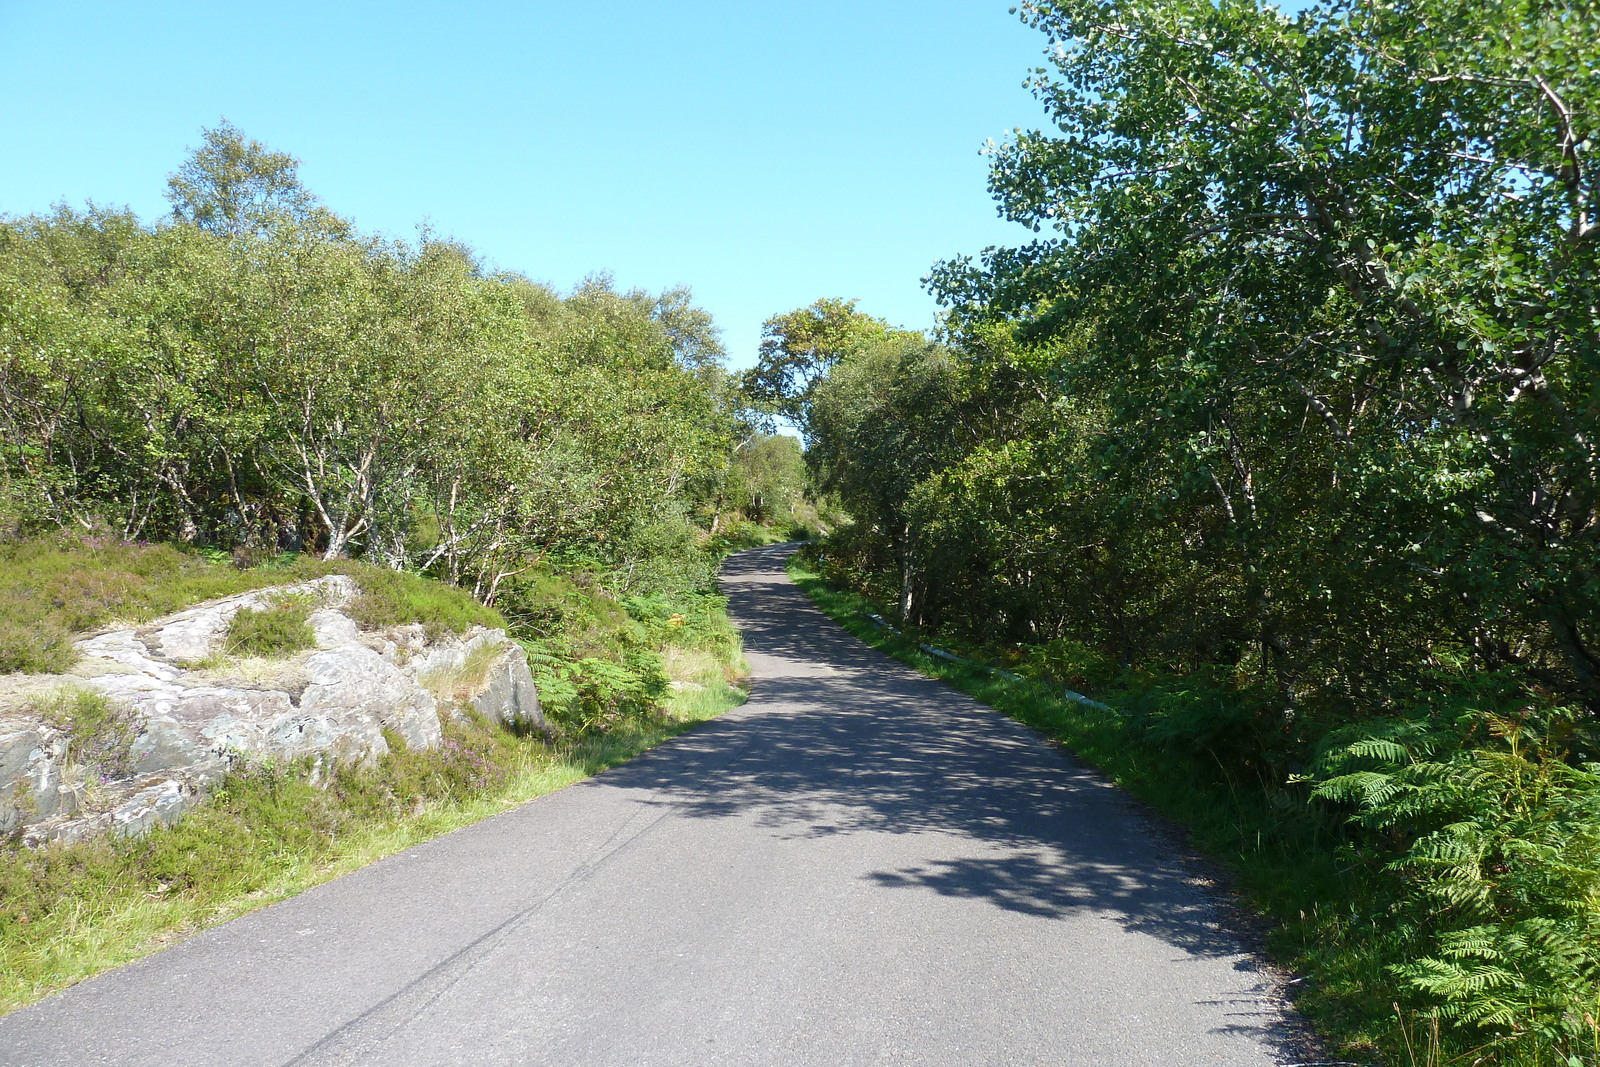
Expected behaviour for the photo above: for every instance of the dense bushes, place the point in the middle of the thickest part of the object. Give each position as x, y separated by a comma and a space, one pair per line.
252, 373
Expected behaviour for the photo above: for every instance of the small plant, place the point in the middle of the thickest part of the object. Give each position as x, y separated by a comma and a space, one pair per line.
100, 733
280, 628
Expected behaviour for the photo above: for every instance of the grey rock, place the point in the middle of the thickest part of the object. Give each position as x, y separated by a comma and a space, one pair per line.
155, 803
509, 695
355, 681
505, 693
31, 754
332, 705
124, 648
333, 628
198, 632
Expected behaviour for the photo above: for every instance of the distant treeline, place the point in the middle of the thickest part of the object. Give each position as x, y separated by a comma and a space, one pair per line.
1295, 414
253, 373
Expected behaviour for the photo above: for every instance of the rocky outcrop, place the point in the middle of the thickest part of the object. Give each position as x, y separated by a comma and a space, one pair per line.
193, 713
488, 673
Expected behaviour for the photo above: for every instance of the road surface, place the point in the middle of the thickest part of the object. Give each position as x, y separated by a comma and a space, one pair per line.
858, 866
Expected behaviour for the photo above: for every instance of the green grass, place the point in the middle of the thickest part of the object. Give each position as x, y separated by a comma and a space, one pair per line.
51, 588
398, 598
279, 628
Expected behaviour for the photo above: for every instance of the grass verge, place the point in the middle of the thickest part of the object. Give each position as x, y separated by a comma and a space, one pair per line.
68, 912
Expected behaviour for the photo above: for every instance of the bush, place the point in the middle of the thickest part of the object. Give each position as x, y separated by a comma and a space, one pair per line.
1071, 663
696, 621
1497, 851
281, 628
35, 645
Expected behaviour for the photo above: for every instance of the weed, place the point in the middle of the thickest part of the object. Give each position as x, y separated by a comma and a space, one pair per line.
51, 588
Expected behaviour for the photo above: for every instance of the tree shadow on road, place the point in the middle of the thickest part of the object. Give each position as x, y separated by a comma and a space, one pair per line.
838, 739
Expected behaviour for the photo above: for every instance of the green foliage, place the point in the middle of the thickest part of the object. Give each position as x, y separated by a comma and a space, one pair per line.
1070, 663
596, 695
597, 659
798, 349
1499, 865
280, 628
699, 622
233, 185
257, 375
767, 478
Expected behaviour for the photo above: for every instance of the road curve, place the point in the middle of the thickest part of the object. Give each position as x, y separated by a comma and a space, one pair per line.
858, 866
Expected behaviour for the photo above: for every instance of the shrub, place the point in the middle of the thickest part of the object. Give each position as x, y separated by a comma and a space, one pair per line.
1498, 873
1072, 663
34, 645
694, 621
281, 628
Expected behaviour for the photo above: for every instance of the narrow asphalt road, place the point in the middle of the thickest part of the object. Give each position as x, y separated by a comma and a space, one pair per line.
858, 866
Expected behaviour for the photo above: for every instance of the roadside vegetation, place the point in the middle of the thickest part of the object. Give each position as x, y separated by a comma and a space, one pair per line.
1281, 442
616, 676
250, 393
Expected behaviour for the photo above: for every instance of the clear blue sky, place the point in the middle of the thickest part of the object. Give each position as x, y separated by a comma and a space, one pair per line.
765, 154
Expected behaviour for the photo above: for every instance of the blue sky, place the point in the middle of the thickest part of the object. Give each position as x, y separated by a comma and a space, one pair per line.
764, 154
